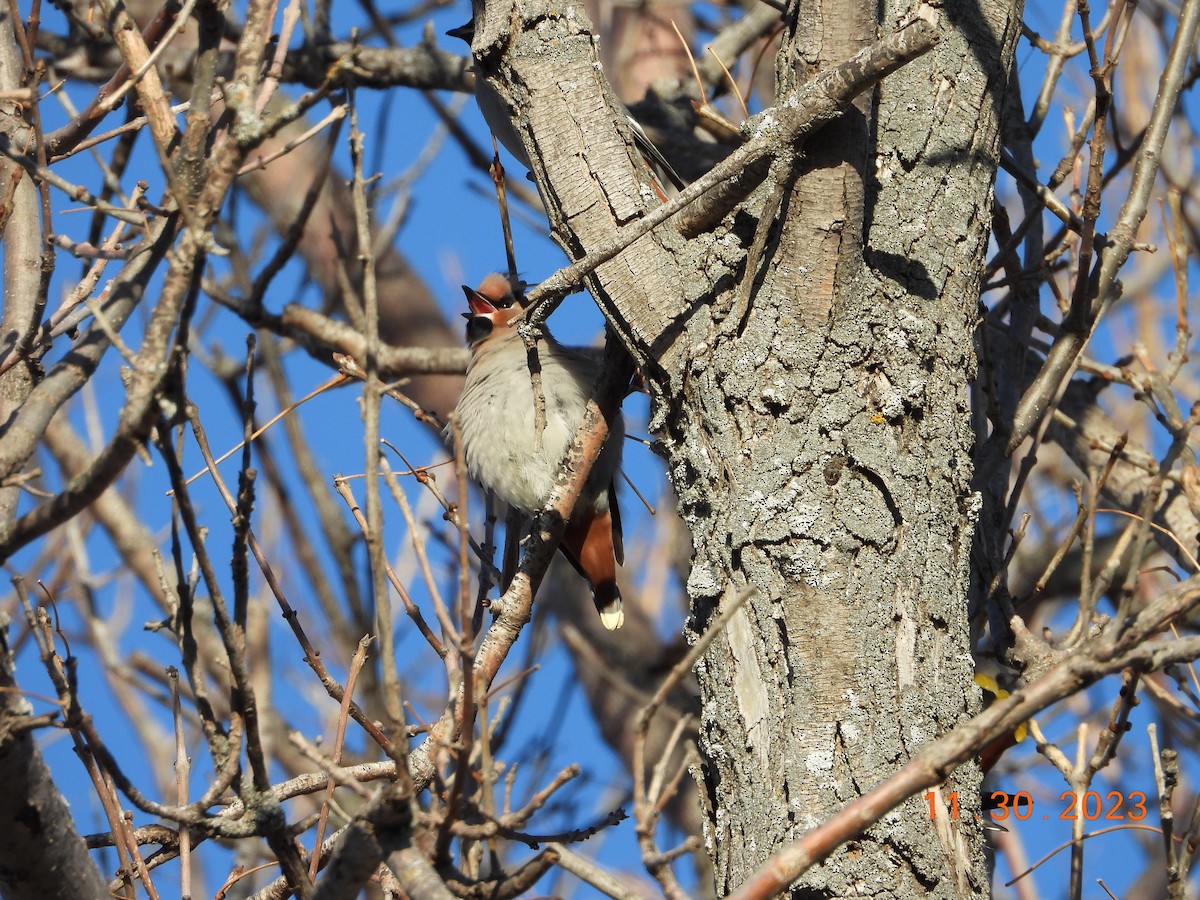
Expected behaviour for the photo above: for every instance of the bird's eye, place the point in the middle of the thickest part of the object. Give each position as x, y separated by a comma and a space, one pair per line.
504, 302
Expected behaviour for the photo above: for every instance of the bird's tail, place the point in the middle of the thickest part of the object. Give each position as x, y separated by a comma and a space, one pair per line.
608, 604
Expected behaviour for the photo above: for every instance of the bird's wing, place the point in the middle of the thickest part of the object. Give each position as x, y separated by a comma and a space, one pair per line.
615, 513
573, 560
658, 163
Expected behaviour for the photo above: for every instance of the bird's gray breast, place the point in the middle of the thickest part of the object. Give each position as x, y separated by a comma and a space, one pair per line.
496, 422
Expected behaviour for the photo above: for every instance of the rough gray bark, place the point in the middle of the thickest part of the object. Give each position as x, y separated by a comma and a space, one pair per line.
21, 228
843, 494
811, 360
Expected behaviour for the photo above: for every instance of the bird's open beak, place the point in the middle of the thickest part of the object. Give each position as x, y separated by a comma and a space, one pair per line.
480, 306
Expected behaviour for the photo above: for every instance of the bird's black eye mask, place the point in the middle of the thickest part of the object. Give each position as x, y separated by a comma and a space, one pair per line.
478, 328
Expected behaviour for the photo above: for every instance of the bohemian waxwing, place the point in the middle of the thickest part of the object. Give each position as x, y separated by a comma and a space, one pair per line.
495, 418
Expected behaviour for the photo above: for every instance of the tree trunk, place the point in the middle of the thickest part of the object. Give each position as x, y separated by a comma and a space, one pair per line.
826, 443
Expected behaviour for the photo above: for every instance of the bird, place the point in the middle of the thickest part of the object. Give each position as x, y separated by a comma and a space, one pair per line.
495, 112
496, 427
